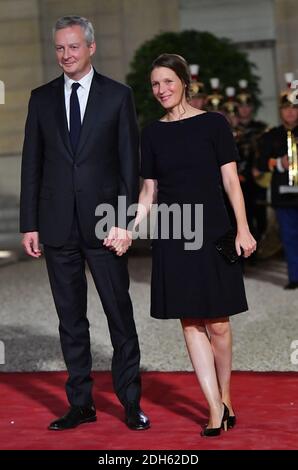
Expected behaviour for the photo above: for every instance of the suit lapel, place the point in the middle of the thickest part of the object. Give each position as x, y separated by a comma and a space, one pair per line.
60, 113
91, 112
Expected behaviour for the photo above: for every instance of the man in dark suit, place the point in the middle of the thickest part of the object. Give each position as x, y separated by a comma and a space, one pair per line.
81, 150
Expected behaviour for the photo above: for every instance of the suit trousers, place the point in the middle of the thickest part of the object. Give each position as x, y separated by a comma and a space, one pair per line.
66, 270
288, 223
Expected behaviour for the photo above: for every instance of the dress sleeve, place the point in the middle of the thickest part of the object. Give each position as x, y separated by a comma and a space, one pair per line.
147, 157
226, 150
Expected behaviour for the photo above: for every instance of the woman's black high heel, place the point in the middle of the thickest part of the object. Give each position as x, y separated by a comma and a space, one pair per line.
212, 432
231, 421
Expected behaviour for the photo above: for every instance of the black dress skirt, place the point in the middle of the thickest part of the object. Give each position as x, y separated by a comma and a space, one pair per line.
185, 158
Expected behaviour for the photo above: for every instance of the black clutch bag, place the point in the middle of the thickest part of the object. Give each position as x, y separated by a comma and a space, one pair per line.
225, 245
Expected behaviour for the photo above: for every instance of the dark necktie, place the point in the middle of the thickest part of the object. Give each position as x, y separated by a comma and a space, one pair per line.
74, 117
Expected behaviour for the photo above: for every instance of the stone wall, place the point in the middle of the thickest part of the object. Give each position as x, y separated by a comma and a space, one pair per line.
286, 19
20, 67
120, 27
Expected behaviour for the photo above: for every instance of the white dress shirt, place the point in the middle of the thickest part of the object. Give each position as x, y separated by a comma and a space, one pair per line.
82, 92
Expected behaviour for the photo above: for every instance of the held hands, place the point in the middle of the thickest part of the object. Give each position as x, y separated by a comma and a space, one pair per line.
118, 240
30, 243
246, 241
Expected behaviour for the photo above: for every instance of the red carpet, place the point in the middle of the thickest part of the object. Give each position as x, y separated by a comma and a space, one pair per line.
266, 405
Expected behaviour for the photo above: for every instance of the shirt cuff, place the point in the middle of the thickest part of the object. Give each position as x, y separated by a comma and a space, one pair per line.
279, 166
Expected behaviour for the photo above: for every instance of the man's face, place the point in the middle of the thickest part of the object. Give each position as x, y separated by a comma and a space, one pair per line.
72, 52
289, 115
245, 111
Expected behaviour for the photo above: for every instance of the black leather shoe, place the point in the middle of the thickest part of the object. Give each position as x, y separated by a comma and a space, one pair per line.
231, 422
75, 416
291, 285
213, 432
135, 418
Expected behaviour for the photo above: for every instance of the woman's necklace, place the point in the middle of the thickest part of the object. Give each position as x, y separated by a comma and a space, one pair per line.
181, 115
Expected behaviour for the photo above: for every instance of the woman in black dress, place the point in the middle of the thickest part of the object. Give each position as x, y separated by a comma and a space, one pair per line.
188, 157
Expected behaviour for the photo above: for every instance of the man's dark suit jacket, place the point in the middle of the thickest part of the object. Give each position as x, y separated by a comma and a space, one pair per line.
104, 166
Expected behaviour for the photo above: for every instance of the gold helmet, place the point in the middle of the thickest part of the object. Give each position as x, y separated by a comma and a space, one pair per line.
243, 97
230, 104
289, 96
196, 86
215, 99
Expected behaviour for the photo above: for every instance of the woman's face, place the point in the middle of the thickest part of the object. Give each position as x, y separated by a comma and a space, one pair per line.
167, 87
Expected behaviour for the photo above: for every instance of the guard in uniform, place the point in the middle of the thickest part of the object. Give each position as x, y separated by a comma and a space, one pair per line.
215, 100
225, 105
278, 153
254, 184
229, 108
197, 88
